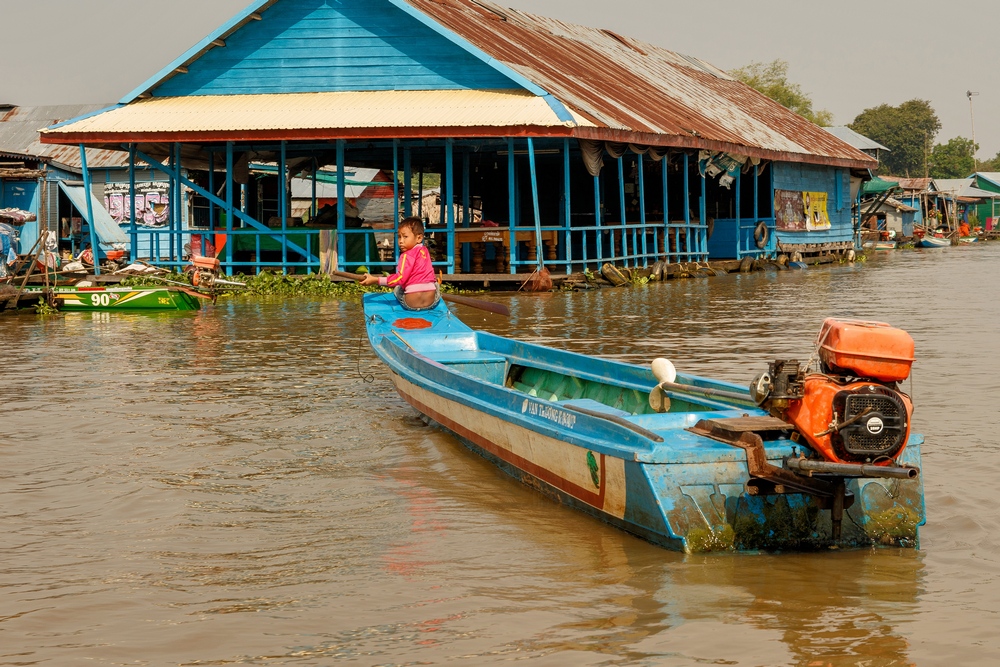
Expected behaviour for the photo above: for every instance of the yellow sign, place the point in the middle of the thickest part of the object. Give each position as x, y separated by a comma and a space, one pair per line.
814, 211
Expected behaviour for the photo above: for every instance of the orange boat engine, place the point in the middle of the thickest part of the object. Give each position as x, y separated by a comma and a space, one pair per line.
851, 410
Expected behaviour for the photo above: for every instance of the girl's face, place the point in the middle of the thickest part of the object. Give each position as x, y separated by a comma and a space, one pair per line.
407, 239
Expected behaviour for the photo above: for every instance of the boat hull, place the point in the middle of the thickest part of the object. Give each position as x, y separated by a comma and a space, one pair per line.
122, 298
934, 242
687, 493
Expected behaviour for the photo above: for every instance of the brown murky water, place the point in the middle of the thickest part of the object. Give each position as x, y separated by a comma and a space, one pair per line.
225, 488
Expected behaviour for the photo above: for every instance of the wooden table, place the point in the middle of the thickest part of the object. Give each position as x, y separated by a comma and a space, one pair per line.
499, 238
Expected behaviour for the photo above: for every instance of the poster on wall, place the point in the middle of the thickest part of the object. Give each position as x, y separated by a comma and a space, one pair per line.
814, 208
789, 211
152, 203
800, 211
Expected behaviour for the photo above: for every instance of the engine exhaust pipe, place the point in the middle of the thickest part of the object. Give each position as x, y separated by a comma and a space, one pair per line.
850, 469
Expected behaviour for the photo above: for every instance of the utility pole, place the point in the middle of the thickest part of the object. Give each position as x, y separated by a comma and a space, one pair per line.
970, 94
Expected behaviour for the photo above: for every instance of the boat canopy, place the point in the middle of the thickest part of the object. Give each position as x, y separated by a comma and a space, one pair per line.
103, 224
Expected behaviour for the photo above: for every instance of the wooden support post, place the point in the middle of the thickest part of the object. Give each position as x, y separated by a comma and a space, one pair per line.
132, 231
447, 197
642, 208
511, 206
407, 184
283, 202
341, 257
90, 210
567, 241
534, 200
687, 208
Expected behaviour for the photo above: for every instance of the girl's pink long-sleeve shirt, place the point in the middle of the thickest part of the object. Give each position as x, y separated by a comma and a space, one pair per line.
414, 271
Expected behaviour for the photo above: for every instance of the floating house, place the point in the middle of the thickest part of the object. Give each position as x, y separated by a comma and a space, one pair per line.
959, 198
859, 141
580, 145
989, 212
915, 193
47, 180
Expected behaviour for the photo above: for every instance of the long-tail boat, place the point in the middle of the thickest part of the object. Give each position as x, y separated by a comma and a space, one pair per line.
99, 298
801, 459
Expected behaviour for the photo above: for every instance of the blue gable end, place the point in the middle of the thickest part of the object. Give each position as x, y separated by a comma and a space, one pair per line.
333, 45
834, 181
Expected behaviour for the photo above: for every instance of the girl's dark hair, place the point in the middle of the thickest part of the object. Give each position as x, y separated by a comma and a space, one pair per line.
414, 224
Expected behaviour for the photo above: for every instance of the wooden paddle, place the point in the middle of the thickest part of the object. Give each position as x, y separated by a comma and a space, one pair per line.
490, 306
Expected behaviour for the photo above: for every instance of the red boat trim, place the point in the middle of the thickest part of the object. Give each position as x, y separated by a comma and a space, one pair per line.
564, 485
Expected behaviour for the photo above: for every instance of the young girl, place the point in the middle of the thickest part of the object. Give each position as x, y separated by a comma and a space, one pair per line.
414, 283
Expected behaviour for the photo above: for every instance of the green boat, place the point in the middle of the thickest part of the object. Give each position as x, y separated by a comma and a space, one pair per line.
124, 298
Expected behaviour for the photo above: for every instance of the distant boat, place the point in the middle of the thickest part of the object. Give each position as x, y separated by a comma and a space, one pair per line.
968, 239
879, 245
934, 242
122, 298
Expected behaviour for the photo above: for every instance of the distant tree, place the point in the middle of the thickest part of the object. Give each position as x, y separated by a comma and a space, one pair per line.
771, 79
908, 132
990, 165
953, 159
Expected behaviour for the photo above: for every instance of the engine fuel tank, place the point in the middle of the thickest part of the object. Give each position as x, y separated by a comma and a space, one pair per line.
866, 349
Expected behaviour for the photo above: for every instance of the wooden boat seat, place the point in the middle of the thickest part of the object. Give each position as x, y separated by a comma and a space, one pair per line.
477, 363
463, 356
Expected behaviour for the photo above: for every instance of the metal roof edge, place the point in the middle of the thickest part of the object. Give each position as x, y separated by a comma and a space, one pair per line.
198, 49
982, 175
81, 117
679, 141
14, 155
561, 112
600, 134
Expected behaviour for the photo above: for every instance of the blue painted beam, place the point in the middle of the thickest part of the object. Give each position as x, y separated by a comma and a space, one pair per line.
283, 198
511, 203
534, 200
341, 204
229, 205
449, 187
568, 209
133, 234
90, 210
597, 220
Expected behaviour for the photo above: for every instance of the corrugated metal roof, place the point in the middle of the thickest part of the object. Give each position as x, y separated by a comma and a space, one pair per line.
618, 89
961, 187
318, 111
19, 128
991, 176
917, 184
625, 84
859, 141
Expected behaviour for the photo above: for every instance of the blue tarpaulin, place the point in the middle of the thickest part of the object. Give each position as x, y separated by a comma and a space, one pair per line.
104, 225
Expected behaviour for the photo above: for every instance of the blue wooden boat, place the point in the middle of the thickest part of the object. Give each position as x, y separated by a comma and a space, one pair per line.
685, 462
934, 242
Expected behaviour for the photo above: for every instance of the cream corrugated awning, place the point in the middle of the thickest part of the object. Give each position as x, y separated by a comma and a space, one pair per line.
311, 111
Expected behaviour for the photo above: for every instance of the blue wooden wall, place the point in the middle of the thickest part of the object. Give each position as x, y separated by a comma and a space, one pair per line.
321, 46
836, 182
22, 195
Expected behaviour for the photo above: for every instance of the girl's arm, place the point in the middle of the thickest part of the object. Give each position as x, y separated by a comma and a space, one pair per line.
403, 271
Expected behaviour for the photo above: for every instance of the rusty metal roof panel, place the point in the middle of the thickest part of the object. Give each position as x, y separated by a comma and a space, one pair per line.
625, 84
304, 111
19, 128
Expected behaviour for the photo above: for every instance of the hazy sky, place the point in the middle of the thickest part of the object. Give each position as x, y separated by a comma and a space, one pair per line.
848, 55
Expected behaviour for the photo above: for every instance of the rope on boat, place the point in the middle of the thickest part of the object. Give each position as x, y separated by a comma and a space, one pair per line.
364, 378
